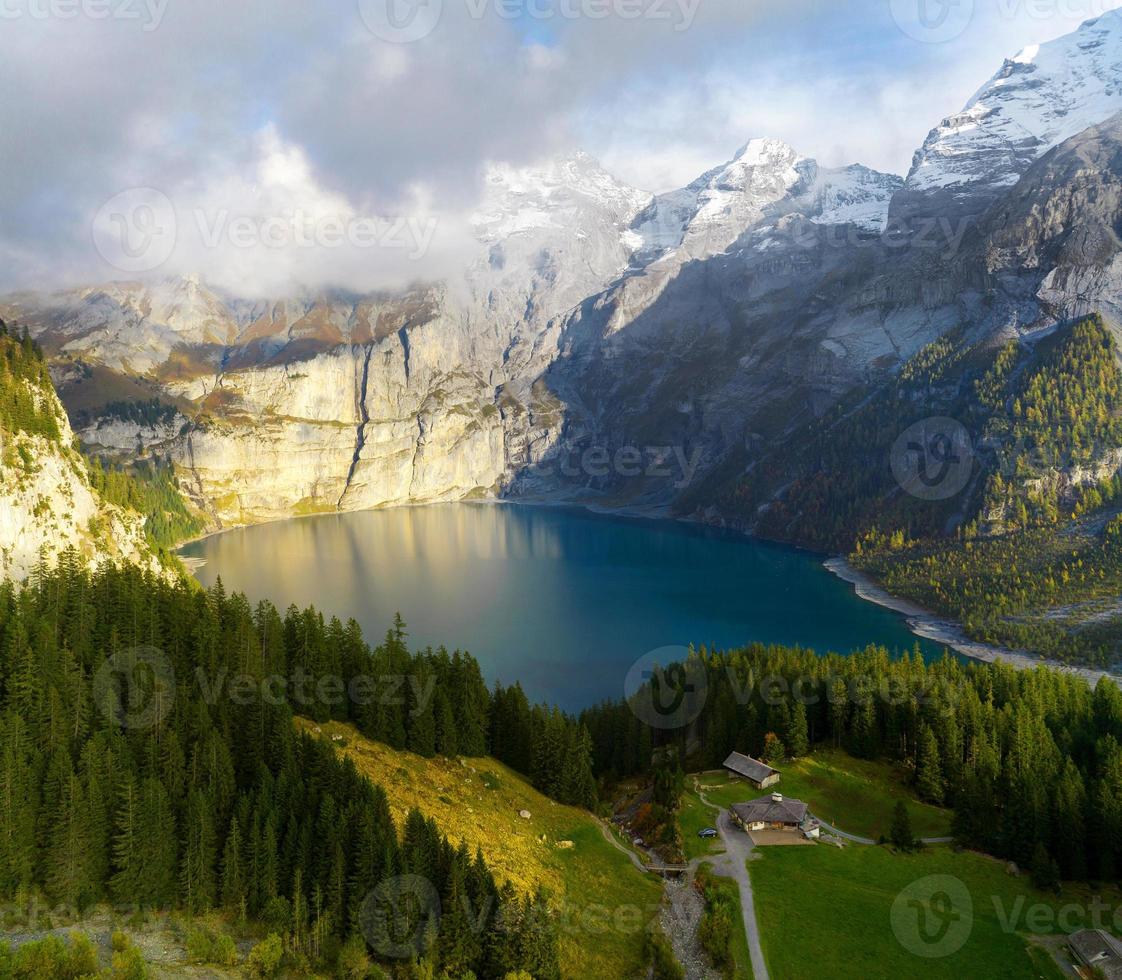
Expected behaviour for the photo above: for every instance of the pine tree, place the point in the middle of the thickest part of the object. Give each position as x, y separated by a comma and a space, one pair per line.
125, 881
198, 884
796, 737
1045, 872
774, 751
18, 806
902, 837
929, 771
233, 873
69, 877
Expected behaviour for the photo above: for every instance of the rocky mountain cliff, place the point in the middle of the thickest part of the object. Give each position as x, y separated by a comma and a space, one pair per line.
48, 502
596, 322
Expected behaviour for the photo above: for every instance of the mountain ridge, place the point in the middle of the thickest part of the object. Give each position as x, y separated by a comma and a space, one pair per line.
716, 318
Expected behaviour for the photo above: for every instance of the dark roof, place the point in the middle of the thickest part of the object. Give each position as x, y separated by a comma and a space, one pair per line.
745, 765
767, 809
1098, 950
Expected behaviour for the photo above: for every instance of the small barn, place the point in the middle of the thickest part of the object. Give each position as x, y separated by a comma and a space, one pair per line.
759, 774
1097, 951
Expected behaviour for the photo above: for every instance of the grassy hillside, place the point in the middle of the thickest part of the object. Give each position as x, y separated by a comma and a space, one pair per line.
605, 903
847, 913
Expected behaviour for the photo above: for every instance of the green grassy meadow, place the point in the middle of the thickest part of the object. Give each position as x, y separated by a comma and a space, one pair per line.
855, 795
829, 912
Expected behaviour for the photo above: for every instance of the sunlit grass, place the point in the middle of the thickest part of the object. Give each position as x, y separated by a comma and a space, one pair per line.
605, 902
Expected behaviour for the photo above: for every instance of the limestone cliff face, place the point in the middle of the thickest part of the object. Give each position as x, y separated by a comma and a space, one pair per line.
360, 426
47, 504
330, 401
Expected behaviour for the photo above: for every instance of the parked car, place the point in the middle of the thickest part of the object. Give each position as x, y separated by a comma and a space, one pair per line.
707, 832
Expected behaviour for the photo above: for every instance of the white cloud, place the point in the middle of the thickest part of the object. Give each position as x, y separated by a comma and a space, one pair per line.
262, 106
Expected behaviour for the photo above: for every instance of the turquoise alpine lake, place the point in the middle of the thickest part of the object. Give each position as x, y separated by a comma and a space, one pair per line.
562, 600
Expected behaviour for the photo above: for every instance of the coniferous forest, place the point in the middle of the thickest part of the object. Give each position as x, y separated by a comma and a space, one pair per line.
130, 773
1030, 761
1021, 555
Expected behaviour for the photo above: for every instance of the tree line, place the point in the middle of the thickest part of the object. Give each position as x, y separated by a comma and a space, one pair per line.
179, 799
430, 702
26, 392
1030, 761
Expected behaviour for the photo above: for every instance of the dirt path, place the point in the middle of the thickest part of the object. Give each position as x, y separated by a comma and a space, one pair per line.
614, 841
734, 864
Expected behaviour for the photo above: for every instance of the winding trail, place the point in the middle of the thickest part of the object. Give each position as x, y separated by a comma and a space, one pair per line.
734, 864
614, 841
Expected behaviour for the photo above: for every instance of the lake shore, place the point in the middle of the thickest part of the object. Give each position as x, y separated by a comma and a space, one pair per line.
930, 626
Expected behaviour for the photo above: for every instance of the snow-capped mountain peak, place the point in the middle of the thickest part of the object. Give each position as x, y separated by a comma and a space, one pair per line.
765, 176
1036, 100
709, 214
853, 195
551, 194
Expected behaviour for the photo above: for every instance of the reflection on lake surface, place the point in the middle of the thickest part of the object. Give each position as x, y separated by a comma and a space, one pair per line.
562, 600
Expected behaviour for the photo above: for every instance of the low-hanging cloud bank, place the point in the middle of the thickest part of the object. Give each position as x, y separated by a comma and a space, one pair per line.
281, 144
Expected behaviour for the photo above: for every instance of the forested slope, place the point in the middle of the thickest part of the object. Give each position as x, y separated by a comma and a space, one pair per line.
148, 757
1020, 547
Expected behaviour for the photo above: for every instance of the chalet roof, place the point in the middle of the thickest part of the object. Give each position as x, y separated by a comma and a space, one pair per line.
1099, 950
745, 765
771, 809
